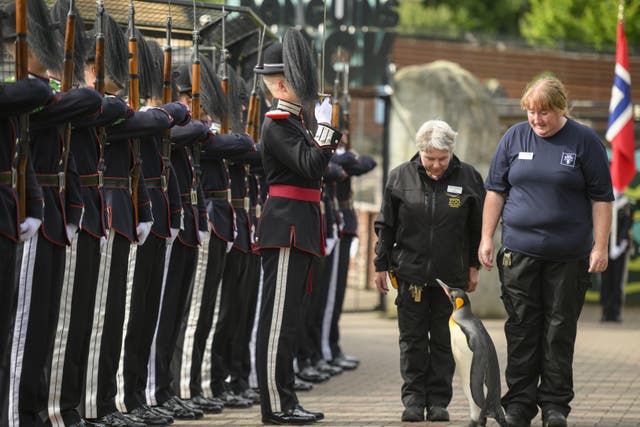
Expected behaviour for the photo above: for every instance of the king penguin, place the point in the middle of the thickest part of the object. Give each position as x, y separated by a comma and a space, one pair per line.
476, 360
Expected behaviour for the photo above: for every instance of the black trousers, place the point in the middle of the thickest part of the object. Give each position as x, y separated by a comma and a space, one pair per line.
39, 290
426, 361
543, 300
233, 315
199, 383
73, 331
105, 343
309, 350
240, 362
286, 273
143, 316
179, 281
341, 288
612, 288
8, 292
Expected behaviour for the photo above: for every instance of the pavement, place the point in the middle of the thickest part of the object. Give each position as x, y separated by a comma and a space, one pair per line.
606, 377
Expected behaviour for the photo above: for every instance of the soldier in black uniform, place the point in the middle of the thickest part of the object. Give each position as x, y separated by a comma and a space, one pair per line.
16, 98
290, 228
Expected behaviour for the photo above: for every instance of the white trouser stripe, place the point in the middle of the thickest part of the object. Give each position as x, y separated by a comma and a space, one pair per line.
91, 389
205, 371
20, 327
253, 375
133, 251
276, 325
192, 320
331, 302
62, 335
150, 390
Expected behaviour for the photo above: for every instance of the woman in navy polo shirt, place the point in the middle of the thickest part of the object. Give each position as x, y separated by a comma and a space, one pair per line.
549, 181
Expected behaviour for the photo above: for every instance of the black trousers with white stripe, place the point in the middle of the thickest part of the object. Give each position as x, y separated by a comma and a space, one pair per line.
8, 291
233, 311
341, 287
143, 315
286, 273
215, 267
71, 344
39, 289
176, 293
106, 334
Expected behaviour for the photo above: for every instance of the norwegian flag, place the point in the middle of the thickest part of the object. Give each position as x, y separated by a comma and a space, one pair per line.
620, 128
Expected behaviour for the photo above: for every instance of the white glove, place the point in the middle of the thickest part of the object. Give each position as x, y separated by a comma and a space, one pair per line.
71, 231
202, 235
617, 250
142, 231
215, 128
229, 246
323, 111
173, 235
103, 241
29, 228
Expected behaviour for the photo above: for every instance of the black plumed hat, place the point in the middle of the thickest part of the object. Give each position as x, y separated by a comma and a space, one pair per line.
145, 66
299, 67
59, 13
47, 45
212, 98
157, 67
272, 60
182, 78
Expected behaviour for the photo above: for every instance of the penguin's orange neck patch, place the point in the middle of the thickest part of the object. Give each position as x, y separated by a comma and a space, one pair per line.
459, 303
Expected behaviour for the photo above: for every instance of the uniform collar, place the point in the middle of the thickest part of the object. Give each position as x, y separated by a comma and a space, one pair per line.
292, 108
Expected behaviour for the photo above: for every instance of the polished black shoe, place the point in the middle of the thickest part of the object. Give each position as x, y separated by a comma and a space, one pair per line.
178, 409
342, 362
413, 414
209, 406
301, 385
437, 413
312, 375
251, 394
316, 415
150, 417
553, 418
292, 416
116, 419
515, 418
327, 368
232, 400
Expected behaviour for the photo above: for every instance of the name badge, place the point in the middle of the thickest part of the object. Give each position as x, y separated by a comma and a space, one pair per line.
454, 189
525, 156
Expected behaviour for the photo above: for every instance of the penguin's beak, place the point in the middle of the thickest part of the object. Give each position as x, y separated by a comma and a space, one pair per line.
444, 287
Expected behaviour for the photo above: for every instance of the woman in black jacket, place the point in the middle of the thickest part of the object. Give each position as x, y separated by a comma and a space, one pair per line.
429, 227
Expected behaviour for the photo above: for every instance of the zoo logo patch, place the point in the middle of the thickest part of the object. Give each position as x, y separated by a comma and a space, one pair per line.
454, 202
568, 159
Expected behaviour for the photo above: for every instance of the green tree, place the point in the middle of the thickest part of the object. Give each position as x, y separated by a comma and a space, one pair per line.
588, 23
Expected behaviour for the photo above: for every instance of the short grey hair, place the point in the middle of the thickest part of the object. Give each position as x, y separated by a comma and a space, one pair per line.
436, 134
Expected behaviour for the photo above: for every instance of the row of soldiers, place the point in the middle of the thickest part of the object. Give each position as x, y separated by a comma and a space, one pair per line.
131, 291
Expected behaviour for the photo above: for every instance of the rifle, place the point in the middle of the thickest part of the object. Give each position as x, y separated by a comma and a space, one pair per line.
335, 104
253, 114
98, 85
22, 141
134, 103
224, 78
165, 145
195, 104
67, 81
346, 102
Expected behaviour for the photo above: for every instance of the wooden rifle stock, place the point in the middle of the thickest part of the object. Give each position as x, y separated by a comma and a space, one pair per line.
134, 103
346, 100
335, 105
253, 114
22, 142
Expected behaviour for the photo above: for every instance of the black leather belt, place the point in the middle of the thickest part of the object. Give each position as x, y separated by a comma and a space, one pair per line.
117, 183
6, 178
217, 194
190, 198
51, 180
242, 203
346, 204
93, 180
155, 182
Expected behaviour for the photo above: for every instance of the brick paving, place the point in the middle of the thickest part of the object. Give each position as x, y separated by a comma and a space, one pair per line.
606, 377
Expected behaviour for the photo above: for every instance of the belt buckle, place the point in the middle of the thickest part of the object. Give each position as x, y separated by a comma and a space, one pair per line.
194, 197
14, 179
130, 178
163, 182
60, 182
229, 195
100, 179
247, 204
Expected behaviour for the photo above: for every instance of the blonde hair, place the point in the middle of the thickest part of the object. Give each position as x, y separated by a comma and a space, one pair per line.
546, 93
436, 134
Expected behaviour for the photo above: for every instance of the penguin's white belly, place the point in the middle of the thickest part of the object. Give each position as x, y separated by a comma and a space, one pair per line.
463, 356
